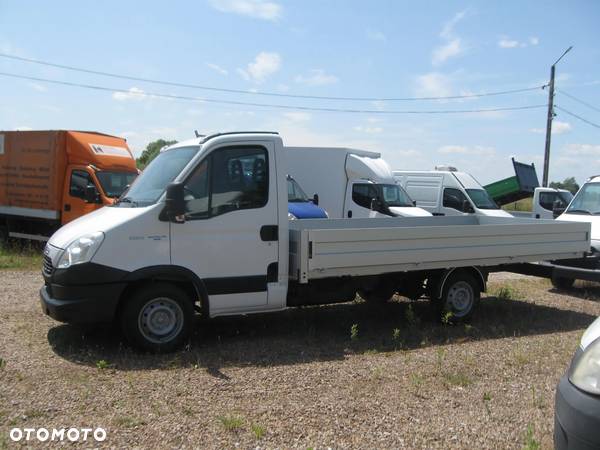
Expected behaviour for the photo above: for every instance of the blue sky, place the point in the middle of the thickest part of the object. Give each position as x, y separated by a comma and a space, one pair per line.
322, 48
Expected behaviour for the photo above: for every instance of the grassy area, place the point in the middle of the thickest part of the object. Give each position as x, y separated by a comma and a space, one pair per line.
20, 256
522, 205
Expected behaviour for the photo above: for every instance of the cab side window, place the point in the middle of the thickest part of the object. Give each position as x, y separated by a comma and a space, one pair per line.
547, 200
362, 194
229, 179
453, 198
80, 179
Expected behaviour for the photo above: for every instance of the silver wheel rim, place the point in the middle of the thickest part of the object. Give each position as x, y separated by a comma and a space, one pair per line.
160, 320
460, 298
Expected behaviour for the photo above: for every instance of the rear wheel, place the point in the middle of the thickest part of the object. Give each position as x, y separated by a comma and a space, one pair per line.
460, 296
562, 283
158, 318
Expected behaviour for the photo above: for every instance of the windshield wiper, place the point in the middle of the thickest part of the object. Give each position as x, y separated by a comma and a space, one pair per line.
126, 200
584, 211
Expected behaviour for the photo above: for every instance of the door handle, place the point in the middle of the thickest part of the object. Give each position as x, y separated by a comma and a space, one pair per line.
269, 233
350, 214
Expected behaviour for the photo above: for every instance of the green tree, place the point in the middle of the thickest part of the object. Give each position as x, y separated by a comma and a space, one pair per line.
151, 152
569, 184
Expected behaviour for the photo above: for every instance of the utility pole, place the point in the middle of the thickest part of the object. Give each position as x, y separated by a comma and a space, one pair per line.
549, 119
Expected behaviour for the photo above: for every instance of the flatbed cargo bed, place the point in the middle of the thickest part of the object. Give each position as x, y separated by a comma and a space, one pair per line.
324, 248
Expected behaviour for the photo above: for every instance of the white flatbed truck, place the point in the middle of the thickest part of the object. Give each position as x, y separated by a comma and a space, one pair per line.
205, 228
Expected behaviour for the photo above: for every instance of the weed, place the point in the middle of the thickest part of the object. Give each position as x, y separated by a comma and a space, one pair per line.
188, 411
530, 442
487, 398
396, 335
102, 364
537, 401
505, 293
128, 422
354, 332
457, 379
417, 381
447, 318
231, 423
411, 318
441, 353
2, 363
20, 257
377, 373
258, 430
520, 358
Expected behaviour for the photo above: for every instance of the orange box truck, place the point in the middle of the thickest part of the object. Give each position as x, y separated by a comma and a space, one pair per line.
48, 178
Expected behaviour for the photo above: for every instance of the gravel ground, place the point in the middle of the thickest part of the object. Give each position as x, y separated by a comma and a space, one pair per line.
297, 379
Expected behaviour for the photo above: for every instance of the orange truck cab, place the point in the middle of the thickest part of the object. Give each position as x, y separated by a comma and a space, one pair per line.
49, 178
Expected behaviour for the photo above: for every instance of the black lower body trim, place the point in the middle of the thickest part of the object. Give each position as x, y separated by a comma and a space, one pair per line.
236, 285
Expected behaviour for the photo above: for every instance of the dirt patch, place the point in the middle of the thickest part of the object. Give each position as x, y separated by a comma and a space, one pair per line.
343, 376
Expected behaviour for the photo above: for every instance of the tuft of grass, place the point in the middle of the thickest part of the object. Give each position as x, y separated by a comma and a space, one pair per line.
2, 363
487, 398
505, 293
411, 317
258, 430
102, 364
417, 381
457, 379
377, 373
19, 257
231, 423
354, 332
531, 443
128, 422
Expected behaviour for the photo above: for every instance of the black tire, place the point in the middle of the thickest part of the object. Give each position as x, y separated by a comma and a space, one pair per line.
562, 283
460, 297
157, 318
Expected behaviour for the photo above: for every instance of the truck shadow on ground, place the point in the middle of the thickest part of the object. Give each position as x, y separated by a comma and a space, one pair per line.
322, 333
584, 290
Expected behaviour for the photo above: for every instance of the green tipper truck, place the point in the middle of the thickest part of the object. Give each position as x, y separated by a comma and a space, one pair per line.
515, 188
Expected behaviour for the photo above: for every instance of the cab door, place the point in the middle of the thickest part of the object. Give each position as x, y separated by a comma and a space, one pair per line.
358, 200
74, 204
230, 236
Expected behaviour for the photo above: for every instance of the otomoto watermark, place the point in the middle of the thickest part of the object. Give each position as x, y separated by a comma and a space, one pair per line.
72, 434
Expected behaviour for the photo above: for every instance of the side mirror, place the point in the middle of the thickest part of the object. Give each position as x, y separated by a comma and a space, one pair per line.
557, 208
466, 207
91, 194
375, 204
175, 203
414, 203
315, 199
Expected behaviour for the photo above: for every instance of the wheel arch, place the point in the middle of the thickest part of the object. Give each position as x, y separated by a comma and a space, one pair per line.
474, 271
180, 276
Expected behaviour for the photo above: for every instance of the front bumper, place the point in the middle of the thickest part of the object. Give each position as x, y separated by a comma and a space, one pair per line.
576, 418
81, 304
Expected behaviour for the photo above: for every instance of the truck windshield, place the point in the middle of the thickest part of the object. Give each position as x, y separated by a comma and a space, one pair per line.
586, 201
481, 199
114, 183
149, 186
295, 192
394, 195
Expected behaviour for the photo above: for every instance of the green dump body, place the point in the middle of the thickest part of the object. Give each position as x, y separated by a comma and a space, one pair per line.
515, 188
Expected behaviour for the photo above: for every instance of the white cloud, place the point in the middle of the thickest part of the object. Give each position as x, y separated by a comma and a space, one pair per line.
264, 65
375, 35
444, 52
258, 9
133, 93
316, 77
217, 68
433, 84
368, 129
558, 127
23, 128
592, 150
477, 150
453, 45
506, 42
297, 116
38, 87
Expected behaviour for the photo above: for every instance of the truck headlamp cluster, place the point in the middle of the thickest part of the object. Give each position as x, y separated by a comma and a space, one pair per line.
585, 369
81, 250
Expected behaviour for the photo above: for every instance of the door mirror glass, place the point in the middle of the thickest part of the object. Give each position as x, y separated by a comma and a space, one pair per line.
91, 194
316, 199
175, 202
466, 207
558, 208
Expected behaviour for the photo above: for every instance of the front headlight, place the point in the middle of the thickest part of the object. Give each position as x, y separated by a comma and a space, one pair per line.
291, 216
585, 369
81, 250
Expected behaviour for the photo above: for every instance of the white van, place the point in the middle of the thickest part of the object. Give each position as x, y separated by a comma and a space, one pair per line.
448, 192
351, 183
585, 207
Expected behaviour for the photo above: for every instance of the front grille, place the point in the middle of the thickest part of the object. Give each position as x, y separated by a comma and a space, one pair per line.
47, 268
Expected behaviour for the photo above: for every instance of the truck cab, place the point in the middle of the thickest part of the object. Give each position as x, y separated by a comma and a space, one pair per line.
585, 207
544, 203
447, 192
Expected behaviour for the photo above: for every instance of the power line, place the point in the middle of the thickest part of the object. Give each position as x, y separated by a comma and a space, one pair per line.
267, 105
578, 100
269, 94
578, 117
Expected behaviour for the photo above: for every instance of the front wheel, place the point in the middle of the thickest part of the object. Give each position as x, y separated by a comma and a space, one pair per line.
158, 318
460, 296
